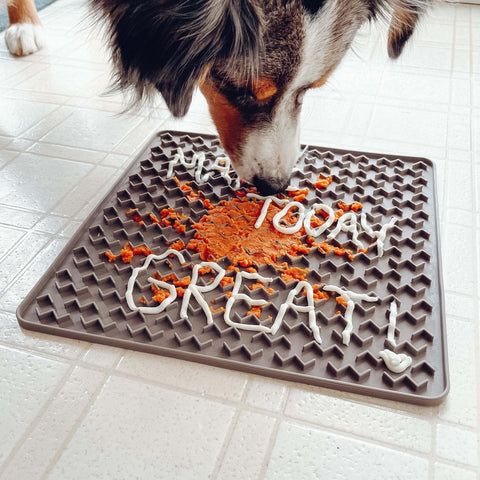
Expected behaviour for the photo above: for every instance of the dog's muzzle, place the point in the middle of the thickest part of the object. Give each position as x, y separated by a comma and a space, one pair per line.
270, 186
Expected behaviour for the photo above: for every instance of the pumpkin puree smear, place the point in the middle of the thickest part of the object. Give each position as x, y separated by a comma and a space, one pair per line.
228, 230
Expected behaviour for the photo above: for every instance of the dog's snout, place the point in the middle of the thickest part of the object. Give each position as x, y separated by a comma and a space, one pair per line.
270, 186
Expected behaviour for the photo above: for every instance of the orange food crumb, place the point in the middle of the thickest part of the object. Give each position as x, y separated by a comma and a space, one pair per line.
127, 252
143, 300
294, 273
204, 270
111, 257
215, 310
323, 182
226, 281
179, 227
257, 310
317, 293
341, 301
160, 294
178, 245
355, 206
153, 218
294, 193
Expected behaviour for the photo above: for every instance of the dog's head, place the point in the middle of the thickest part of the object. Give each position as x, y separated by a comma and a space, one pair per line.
253, 60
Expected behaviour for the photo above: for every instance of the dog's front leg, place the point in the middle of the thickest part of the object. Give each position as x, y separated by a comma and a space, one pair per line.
25, 33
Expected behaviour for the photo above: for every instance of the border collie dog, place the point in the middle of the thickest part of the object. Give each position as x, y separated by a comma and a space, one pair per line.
252, 59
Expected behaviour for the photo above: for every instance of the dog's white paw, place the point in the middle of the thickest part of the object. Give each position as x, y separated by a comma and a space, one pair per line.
24, 38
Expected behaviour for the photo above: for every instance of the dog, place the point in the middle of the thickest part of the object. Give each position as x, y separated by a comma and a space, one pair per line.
252, 59
25, 34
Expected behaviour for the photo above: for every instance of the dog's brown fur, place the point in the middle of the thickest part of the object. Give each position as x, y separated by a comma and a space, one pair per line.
253, 61
24, 34
22, 11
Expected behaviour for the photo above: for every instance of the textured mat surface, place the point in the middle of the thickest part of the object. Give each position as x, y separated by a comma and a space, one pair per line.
82, 295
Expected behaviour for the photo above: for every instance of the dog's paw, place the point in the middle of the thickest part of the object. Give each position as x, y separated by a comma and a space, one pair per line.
24, 38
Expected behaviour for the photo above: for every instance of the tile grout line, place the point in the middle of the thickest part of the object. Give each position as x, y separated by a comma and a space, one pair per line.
274, 435
435, 419
81, 417
279, 416
476, 232
33, 424
231, 430
49, 241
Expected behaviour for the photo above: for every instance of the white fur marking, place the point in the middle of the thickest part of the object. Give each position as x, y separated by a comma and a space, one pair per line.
271, 152
24, 38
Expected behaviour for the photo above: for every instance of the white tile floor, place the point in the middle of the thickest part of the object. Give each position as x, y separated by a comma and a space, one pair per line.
77, 410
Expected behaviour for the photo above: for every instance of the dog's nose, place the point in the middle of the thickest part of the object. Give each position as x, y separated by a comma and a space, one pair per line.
270, 186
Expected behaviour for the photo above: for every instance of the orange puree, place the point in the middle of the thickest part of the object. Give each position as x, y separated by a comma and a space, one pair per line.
350, 206
127, 252
160, 294
341, 301
228, 230
111, 257
178, 245
323, 182
255, 311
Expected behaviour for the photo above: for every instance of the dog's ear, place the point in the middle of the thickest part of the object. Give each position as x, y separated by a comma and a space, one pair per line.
404, 19
167, 45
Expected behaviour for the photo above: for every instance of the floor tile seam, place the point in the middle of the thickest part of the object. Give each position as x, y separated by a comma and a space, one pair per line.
24, 133
433, 448
39, 352
428, 105
34, 423
49, 59
417, 106
269, 450
43, 216
240, 403
384, 405
19, 273
65, 196
83, 149
15, 90
74, 428
22, 270
392, 142
225, 445
8, 162
235, 404
406, 416
5, 80
24, 231
460, 426
139, 119
466, 321
424, 454
365, 137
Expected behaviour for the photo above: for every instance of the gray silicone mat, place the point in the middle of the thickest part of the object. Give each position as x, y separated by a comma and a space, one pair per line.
82, 295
